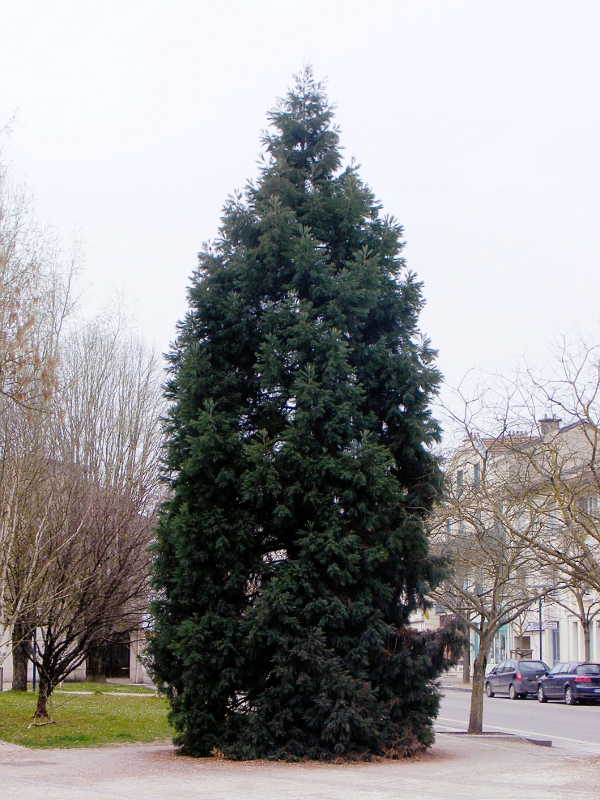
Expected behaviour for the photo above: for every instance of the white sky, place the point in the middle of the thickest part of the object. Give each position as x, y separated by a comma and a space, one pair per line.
476, 123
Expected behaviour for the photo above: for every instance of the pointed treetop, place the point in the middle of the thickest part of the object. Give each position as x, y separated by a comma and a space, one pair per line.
302, 132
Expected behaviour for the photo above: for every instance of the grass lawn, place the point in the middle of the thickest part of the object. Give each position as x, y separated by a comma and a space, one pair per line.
119, 688
84, 720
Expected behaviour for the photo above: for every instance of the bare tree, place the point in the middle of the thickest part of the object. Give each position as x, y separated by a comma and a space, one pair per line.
582, 603
495, 576
36, 278
103, 463
563, 468
97, 585
35, 283
79, 442
530, 514
22, 478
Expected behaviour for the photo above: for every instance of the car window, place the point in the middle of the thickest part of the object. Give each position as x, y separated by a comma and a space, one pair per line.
532, 666
556, 669
588, 669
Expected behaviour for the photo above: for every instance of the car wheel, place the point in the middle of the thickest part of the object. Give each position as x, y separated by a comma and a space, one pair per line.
570, 698
488, 690
512, 692
542, 695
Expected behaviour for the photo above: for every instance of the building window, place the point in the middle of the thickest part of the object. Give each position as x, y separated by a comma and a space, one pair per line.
476, 476
556, 644
589, 506
574, 640
499, 531
460, 481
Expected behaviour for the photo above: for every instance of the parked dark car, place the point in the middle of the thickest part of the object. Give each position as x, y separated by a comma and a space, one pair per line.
516, 678
570, 681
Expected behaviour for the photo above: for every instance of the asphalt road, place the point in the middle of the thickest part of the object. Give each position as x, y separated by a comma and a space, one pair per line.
570, 727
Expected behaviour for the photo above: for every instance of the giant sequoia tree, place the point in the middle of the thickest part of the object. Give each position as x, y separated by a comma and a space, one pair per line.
292, 551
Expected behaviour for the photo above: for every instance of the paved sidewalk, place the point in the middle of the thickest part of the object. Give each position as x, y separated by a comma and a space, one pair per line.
456, 768
453, 681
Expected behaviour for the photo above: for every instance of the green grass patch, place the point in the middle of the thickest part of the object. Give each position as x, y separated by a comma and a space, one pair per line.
84, 720
118, 688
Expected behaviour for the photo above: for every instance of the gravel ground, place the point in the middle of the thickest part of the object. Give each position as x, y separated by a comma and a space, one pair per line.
456, 767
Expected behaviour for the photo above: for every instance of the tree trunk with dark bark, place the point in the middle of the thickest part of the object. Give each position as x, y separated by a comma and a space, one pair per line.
476, 713
21, 649
41, 711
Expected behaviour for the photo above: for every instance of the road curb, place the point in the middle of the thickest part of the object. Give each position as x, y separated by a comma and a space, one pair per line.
503, 735
457, 688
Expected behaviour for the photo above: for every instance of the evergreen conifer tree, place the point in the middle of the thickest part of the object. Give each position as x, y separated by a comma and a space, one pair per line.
292, 550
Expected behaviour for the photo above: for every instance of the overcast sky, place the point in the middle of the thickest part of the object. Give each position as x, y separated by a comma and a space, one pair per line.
476, 123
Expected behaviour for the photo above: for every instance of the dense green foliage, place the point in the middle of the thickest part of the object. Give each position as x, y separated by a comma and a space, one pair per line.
292, 551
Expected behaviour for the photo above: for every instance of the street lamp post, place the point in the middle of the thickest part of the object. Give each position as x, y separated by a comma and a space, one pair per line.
540, 624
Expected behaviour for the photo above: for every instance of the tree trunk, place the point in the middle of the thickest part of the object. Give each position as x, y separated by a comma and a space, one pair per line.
586, 637
476, 713
467, 662
21, 648
41, 711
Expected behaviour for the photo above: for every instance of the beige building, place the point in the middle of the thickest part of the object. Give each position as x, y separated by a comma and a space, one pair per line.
522, 528
125, 663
